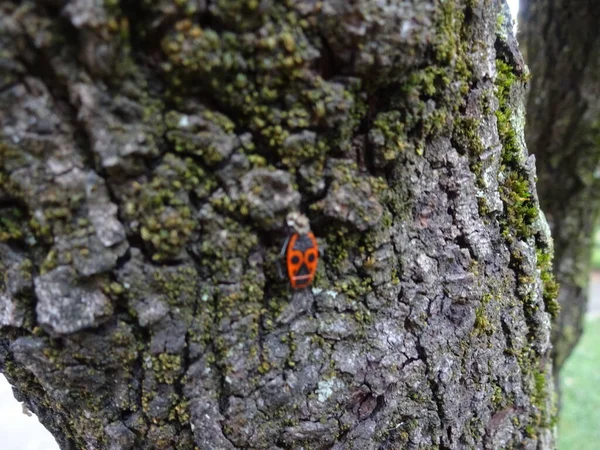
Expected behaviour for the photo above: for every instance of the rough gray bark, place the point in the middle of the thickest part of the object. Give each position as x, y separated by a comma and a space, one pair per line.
563, 112
149, 154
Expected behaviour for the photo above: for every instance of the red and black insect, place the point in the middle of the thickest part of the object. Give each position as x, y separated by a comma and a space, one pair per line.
301, 252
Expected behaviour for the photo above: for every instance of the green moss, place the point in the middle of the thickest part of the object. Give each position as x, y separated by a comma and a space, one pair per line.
264, 367
354, 287
298, 153
236, 241
161, 206
511, 152
11, 224
551, 287
519, 222
168, 230
50, 262
500, 23
521, 211
262, 76
537, 386
231, 207
466, 136
42, 232
543, 418
10, 155
390, 126
482, 321
505, 78
290, 340
60, 208
445, 80
114, 288
180, 412
497, 397
167, 368
178, 285
483, 206
540, 390
339, 243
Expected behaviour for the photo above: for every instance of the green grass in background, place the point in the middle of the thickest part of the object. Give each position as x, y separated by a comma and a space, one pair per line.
579, 426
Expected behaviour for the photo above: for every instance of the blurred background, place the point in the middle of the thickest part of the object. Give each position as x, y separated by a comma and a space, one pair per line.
579, 424
579, 421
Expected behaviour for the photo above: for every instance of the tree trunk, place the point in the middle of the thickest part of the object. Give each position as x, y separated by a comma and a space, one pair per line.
149, 155
563, 111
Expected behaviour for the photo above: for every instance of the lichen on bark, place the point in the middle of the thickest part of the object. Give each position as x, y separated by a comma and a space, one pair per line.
149, 155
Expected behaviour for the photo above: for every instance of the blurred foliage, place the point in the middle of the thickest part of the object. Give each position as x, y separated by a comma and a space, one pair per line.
596, 251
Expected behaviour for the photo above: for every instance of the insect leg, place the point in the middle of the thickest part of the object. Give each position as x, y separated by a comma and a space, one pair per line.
282, 258
284, 248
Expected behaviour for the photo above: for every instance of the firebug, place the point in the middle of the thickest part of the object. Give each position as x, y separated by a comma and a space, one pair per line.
301, 252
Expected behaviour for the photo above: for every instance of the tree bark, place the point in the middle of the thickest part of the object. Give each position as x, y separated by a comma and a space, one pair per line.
561, 48
149, 155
